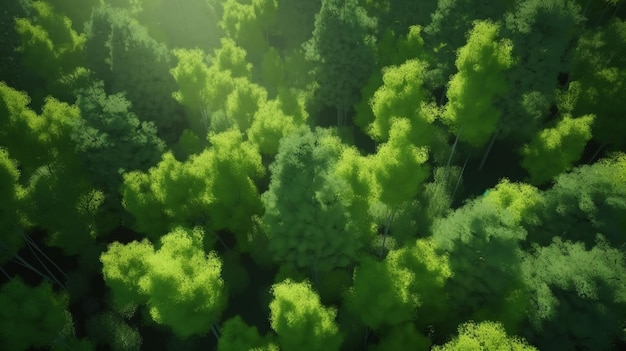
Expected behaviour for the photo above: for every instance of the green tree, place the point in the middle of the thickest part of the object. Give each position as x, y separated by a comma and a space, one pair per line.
554, 150
180, 193
402, 97
248, 24
485, 335
598, 80
585, 201
406, 286
342, 50
300, 320
482, 239
542, 33
51, 51
32, 317
178, 270
578, 295
325, 233
295, 21
110, 330
236, 335
181, 269
271, 124
470, 111
111, 140
121, 53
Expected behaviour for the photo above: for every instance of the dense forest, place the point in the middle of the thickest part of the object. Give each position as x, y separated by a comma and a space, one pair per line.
303, 175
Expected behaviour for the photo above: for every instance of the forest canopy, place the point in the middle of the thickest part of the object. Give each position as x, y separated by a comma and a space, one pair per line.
313, 175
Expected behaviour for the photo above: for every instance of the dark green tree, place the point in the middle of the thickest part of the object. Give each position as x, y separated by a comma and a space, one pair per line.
111, 140
342, 50
324, 233
236, 335
577, 295
121, 53
543, 34
32, 317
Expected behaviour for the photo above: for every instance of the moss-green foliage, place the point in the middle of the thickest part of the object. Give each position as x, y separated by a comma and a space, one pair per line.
407, 286
32, 316
11, 193
484, 336
300, 320
236, 335
139, 274
180, 193
120, 52
324, 232
553, 150
480, 80
578, 295
52, 50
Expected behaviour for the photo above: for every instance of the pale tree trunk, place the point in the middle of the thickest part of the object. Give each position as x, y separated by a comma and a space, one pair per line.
493, 139
458, 181
216, 330
597, 153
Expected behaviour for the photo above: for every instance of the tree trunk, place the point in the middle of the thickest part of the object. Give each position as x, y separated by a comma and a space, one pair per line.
458, 181
456, 141
216, 331
586, 7
493, 139
597, 152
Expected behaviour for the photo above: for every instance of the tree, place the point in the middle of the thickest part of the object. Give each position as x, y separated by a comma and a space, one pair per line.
542, 33
341, 48
485, 335
401, 338
179, 269
32, 317
248, 24
405, 287
325, 233
554, 150
470, 110
295, 21
237, 335
121, 53
111, 140
566, 281
180, 193
597, 80
52, 51
402, 97
270, 125
300, 320
111, 330
585, 201
482, 239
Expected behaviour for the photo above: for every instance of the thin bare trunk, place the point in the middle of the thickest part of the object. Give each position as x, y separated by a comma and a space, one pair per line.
389, 221
597, 153
458, 181
456, 141
493, 139
216, 331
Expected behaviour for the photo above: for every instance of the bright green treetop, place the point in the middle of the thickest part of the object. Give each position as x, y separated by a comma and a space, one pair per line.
300, 320
179, 283
236, 335
484, 336
481, 62
406, 286
214, 189
398, 166
51, 49
554, 150
180, 270
402, 97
